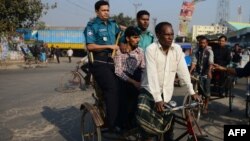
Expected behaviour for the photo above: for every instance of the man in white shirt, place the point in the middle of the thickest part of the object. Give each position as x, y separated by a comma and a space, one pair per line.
163, 60
70, 53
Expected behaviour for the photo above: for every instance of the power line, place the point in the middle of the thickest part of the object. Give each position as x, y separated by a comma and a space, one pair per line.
136, 5
79, 6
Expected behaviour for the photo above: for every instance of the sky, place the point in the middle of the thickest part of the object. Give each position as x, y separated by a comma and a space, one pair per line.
78, 12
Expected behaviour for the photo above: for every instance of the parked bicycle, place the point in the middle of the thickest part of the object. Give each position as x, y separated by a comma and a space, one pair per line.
72, 81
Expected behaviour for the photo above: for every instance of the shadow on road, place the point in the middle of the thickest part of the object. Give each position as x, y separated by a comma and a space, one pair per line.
67, 120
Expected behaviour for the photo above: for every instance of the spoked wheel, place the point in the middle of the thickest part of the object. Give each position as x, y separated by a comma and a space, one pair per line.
230, 100
248, 107
89, 131
230, 95
196, 112
70, 82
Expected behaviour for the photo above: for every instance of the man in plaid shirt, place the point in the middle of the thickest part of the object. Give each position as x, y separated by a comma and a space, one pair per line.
129, 64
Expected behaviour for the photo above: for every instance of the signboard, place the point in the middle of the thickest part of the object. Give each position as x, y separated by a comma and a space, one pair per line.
187, 10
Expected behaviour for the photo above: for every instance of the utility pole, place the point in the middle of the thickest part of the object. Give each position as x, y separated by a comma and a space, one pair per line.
154, 21
154, 24
249, 17
239, 11
223, 11
136, 5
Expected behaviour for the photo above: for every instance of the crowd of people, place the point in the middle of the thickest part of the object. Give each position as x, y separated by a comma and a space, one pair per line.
147, 66
38, 51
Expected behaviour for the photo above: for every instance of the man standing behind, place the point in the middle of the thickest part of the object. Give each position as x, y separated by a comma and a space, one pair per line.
58, 54
163, 60
70, 53
146, 37
100, 34
202, 61
222, 56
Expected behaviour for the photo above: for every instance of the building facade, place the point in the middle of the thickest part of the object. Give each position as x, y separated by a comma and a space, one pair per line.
208, 30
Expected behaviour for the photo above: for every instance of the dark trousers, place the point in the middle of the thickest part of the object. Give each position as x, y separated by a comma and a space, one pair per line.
57, 58
219, 79
205, 86
69, 59
128, 97
106, 79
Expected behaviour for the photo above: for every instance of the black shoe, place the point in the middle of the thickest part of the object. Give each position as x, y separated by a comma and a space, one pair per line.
226, 94
115, 130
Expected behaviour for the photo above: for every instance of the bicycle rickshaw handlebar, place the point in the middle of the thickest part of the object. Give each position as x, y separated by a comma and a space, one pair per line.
171, 106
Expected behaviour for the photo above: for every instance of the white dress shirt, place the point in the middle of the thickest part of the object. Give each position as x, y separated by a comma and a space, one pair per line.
70, 52
161, 69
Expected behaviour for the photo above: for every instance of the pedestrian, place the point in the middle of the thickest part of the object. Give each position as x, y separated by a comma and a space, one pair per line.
128, 67
164, 59
202, 61
37, 51
236, 55
58, 54
43, 55
52, 52
100, 34
69, 53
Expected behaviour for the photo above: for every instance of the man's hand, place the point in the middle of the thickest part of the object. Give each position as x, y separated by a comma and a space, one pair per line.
137, 84
218, 67
197, 98
113, 47
159, 106
209, 75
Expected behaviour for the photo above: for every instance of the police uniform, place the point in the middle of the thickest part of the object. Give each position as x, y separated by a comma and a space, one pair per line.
146, 39
101, 33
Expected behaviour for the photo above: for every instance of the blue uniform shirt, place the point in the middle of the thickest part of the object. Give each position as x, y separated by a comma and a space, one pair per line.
97, 32
145, 39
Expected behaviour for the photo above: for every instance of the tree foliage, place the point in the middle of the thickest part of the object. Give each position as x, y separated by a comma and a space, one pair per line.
21, 13
124, 20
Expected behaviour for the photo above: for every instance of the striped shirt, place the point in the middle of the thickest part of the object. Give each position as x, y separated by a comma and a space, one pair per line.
127, 63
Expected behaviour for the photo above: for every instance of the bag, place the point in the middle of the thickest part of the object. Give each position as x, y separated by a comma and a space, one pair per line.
148, 118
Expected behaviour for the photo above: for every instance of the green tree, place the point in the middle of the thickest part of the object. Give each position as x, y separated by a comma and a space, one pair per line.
21, 13
124, 20
40, 25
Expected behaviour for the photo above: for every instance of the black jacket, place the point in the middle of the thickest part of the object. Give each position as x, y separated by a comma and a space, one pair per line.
222, 56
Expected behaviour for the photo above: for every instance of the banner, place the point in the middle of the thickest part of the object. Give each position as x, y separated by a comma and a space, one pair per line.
187, 10
4, 49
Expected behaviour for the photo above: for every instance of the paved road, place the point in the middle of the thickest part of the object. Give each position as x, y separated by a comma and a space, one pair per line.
32, 110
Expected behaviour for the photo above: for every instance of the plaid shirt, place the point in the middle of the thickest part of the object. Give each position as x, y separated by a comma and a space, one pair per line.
122, 66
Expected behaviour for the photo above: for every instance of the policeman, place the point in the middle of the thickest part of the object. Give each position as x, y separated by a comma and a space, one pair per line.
100, 34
